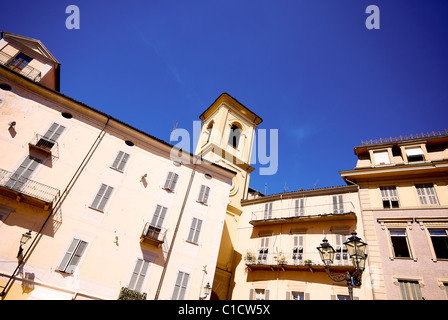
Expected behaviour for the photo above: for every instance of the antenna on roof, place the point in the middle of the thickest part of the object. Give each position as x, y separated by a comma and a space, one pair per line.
265, 188
285, 189
315, 184
174, 129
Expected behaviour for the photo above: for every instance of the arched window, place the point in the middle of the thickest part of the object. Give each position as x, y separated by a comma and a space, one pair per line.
234, 137
210, 129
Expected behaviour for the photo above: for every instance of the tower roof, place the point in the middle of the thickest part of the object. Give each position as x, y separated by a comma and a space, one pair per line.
235, 104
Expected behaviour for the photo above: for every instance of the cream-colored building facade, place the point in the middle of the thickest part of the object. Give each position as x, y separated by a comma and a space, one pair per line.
112, 211
277, 239
403, 185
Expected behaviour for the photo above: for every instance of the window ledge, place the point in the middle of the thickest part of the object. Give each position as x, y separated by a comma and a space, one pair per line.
96, 209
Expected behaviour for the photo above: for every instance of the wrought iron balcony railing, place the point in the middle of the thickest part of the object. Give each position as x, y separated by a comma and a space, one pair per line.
26, 70
22, 188
153, 235
295, 261
300, 213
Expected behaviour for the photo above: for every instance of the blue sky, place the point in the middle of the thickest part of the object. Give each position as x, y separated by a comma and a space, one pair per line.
310, 69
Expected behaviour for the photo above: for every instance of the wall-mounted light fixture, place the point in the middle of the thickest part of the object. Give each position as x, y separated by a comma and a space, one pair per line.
23, 241
207, 290
12, 125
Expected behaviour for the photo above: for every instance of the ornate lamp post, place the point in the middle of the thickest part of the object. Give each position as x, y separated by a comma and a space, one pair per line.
357, 251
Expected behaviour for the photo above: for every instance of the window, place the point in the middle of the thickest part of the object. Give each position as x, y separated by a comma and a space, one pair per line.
209, 131
203, 194
72, 256
120, 161
341, 256
259, 294
268, 211
50, 137
299, 209
195, 230
415, 154
297, 251
234, 137
439, 239
138, 275
400, 245
295, 295
389, 196
181, 286
19, 62
410, 290
426, 194
171, 181
381, 157
263, 251
20, 177
343, 297
102, 197
154, 228
338, 205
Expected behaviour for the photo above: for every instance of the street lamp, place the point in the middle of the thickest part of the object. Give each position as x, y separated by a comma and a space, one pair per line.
23, 240
207, 290
356, 249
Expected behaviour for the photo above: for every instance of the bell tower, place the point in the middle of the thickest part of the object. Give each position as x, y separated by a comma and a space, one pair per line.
226, 138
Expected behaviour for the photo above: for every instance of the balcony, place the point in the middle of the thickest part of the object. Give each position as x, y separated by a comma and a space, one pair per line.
294, 261
44, 146
153, 235
27, 190
25, 70
344, 211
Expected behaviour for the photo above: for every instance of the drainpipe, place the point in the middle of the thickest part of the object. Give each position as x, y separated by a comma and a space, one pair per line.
364, 231
58, 203
165, 266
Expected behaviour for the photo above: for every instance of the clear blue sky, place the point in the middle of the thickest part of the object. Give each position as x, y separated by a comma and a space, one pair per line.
310, 69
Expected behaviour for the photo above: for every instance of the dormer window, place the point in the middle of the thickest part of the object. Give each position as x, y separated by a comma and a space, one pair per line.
415, 154
381, 157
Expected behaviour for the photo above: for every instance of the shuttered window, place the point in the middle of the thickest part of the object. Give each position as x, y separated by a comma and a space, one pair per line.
203, 194
264, 250
259, 294
180, 287
102, 197
138, 275
268, 211
72, 256
195, 230
389, 197
120, 160
410, 290
338, 205
171, 181
299, 207
54, 132
426, 194
20, 177
297, 251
